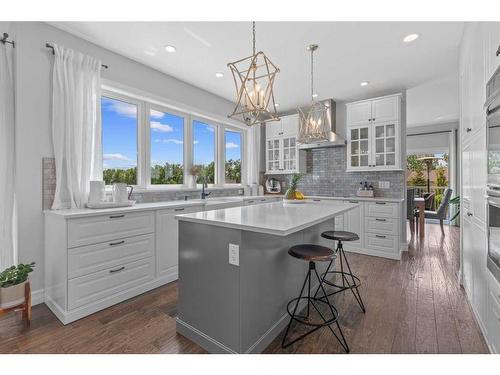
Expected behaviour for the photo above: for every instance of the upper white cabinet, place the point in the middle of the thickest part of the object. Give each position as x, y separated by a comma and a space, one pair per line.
282, 152
374, 134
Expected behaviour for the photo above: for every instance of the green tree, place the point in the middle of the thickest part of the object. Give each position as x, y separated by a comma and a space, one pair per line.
207, 173
233, 171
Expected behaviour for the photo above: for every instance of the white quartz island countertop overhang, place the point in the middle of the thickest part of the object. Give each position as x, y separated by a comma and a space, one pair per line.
278, 218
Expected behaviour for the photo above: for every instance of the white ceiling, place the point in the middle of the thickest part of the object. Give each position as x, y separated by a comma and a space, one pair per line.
350, 52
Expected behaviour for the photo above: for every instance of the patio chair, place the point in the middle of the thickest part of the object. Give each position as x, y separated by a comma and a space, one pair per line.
410, 208
442, 210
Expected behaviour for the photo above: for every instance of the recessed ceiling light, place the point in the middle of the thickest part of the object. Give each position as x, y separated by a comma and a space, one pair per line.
170, 49
219, 74
315, 95
364, 83
410, 38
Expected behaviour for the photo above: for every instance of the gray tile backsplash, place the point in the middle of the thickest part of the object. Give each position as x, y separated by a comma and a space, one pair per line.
49, 188
326, 175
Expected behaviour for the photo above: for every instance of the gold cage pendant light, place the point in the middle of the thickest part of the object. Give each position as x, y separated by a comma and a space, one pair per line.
313, 120
254, 79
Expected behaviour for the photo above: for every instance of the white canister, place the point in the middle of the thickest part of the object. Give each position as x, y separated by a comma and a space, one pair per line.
97, 192
120, 193
255, 189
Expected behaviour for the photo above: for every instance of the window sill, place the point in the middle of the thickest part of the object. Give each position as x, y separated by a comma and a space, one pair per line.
181, 188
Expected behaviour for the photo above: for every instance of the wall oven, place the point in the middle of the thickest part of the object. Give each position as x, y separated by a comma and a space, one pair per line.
492, 108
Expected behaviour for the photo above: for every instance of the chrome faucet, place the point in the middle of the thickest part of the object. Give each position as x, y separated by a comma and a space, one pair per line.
203, 186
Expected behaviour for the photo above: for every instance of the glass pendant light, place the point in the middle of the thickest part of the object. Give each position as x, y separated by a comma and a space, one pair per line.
313, 120
254, 79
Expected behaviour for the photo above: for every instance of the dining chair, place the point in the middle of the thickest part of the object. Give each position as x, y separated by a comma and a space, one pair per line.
410, 208
440, 213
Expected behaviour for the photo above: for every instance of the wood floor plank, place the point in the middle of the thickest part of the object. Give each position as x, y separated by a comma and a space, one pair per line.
415, 305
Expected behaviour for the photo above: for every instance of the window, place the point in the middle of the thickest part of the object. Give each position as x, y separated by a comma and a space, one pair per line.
119, 140
233, 157
167, 148
204, 151
148, 143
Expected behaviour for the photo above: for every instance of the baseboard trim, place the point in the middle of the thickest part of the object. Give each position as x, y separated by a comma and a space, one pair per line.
70, 316
37, 297
375, 253
206, 342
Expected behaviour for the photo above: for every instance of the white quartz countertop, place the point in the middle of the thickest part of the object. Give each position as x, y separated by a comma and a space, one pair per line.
277, 218
356, 198
215, 201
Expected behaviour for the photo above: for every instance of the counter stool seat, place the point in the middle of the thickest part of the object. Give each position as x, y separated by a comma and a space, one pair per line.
340, 235
311, 252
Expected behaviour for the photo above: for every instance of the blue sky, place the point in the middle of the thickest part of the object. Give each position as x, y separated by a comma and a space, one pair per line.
119, 127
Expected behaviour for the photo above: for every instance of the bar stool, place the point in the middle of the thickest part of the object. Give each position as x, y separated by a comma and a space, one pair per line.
313, 253
339, 236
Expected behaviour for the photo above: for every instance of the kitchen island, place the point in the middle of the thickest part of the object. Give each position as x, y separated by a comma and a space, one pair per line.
235, 275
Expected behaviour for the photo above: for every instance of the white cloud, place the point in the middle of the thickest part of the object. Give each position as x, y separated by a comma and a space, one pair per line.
122, 108
116, 157
157, 114
159, 127
169, 140
232, 145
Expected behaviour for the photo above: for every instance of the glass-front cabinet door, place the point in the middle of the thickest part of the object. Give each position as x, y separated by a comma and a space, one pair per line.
385, 145
359, 148
289, 154
273, 155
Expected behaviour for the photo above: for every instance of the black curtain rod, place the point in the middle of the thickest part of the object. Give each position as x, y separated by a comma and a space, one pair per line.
4, 40
48, 45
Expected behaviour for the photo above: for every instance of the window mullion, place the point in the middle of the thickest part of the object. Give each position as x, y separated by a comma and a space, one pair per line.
145, 146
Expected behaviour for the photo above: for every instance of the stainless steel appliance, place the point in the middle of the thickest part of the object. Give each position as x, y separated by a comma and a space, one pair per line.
492, 107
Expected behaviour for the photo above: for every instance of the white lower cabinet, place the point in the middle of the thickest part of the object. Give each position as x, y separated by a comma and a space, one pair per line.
378, 223
493, 314
167, 240
96, 260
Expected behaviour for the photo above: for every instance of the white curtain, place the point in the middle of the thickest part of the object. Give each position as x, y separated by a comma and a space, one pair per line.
253, 154
76, 133
7, 157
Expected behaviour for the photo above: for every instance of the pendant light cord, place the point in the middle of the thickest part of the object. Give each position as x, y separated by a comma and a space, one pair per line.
253, 32
312, 74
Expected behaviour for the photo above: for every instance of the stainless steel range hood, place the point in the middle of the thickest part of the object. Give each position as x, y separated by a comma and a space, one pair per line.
334, 140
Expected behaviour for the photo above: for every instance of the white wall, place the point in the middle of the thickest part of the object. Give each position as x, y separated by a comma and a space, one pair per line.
33, 109
434, 102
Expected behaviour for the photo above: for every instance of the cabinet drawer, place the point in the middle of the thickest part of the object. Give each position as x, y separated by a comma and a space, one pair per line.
92, 258
102, 284
379, 225
381, 209
102, 228
384, 243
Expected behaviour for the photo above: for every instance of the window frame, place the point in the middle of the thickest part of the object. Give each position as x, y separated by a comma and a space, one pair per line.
242, 154
147, 145
144, 106
130, 100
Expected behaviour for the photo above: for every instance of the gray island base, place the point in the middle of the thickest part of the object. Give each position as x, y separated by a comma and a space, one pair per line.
235, 274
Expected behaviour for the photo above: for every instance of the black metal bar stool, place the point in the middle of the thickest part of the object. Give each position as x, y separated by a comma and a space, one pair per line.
313, 253
354, 283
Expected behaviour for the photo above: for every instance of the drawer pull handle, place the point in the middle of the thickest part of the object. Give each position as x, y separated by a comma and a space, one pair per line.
179, 209
262, 200
116, 216
117, 243
249, 201
316, 200
379, 236
379, 202
117, 270
353, 201
381, 219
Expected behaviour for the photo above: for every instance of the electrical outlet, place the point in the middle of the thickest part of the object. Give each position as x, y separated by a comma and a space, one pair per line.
234, 254
384, 185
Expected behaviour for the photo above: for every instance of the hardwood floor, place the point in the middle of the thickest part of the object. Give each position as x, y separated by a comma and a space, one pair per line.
415, 305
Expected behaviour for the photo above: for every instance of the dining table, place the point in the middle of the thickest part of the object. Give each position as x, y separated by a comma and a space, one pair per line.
420, 205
